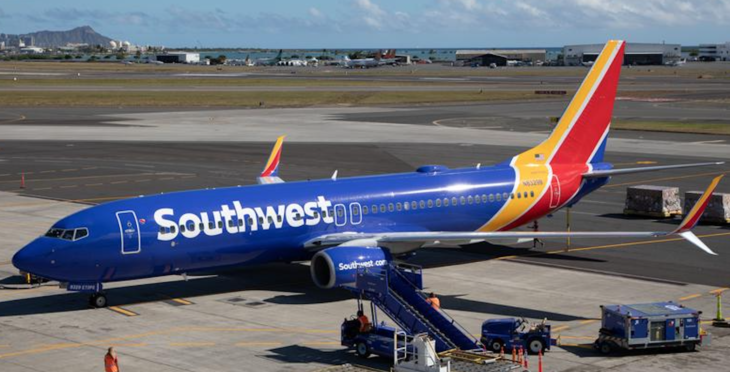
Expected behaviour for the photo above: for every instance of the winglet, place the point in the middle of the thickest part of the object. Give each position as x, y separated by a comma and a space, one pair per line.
693, 216
270, 174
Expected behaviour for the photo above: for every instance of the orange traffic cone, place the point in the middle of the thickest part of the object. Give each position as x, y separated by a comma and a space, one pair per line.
514, 355
525, 361
22, 180
519, 356
539, 361
501, 353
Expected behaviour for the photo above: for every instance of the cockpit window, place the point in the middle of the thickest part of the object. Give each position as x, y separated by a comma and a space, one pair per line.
81, 233
68, 234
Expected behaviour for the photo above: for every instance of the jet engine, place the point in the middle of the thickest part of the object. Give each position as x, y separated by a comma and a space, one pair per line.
333, 267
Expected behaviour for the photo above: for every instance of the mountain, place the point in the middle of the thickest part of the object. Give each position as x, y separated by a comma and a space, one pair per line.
78, 35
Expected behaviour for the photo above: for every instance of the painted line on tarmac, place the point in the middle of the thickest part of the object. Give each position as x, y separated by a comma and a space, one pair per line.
561, 328
122, 311
719, 290
321, 343
685, 298
665, 179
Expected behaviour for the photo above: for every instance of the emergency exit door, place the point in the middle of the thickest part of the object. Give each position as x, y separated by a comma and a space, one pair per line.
554, 192
129, 230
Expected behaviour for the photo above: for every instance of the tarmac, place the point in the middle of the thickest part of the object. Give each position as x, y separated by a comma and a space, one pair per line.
272, 318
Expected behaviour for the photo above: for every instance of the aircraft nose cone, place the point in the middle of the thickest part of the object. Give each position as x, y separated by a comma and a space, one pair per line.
28, 258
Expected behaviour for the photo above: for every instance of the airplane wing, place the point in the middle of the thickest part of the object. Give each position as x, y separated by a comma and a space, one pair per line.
429, 237
270, 173
615, 172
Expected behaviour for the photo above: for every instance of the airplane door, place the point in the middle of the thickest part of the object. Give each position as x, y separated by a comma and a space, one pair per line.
340, 215
129, 229
355, 213
554, 192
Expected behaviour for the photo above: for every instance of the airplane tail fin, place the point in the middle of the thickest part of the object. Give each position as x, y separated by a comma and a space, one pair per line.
270, 174
580, 135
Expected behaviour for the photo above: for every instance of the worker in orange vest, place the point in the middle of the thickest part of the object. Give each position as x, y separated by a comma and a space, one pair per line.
364, 322
111, 363
434, 301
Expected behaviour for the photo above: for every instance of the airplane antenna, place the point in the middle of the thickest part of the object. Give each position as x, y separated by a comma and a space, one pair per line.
479, 165
334, 176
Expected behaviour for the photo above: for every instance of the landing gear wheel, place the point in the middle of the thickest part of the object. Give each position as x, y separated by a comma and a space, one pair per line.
535, 346
496, 346
605, 348
362, 350
97, 300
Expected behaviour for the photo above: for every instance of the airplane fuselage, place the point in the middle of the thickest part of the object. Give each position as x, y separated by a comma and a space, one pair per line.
185, 232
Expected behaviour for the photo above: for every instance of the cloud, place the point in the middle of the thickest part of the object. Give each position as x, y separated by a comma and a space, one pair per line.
316, 13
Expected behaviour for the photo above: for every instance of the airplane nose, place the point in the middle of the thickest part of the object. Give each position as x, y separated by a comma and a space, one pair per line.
30, 258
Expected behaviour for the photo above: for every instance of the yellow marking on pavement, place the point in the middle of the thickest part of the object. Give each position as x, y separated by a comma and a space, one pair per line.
506, 257
665, 179
685, 298
5, 263
122, 311
258, 344
561, 328
4, 345
719, 290
588, 321
22, 291
577, 337
643, 242
139, 344
584, 346
181, 301
192, 344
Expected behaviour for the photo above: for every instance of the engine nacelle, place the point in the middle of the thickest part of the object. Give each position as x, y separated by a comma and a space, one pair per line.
333, 267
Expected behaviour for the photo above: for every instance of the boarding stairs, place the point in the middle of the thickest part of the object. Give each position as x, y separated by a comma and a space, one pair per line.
397, 291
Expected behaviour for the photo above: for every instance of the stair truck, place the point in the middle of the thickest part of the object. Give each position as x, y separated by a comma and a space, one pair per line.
652, 325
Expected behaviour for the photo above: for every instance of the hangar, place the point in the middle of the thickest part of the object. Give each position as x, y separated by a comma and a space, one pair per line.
178, 57
522, 55
636, 53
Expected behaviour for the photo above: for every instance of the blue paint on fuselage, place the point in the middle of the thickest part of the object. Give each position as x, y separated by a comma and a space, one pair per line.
99, 257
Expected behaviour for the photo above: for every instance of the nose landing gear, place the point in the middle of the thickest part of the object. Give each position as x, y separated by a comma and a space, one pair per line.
98, 300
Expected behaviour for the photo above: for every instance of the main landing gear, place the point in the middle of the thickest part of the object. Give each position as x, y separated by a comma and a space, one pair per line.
98, 300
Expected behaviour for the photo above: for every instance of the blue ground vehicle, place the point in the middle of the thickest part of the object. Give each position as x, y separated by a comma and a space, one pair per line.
644, 326
515, 333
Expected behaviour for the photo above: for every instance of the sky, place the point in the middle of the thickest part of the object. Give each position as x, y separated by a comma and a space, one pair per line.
377, 23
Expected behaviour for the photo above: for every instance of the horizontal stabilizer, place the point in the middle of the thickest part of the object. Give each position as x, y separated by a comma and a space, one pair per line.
616, 172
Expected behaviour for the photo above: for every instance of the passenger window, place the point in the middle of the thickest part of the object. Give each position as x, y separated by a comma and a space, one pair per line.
172, 229
532, 194
191, 226
240, 221
505, 196
162, 230
406, 206
211, 225
414, 205
476, 199
201, 226
365, 209
230, 223
81, 233
220, 224
330, 213
524, 194
491, 198
422, 204
279, 218
484, 198
518, 195
356, 210
182, 228
270, 219
499, 197
261, 220
390, 207
470, 199
462, 200
340, 212
430, 203
398, 207
382, 208
375, 209
438, 203
250, 221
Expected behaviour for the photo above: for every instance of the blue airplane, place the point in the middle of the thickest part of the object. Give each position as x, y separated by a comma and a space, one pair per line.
343, 225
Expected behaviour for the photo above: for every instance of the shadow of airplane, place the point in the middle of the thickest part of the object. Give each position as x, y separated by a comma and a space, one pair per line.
306, 355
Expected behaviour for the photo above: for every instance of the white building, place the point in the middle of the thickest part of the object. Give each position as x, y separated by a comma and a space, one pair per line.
31, 50
635, 53
178, 57
714, 52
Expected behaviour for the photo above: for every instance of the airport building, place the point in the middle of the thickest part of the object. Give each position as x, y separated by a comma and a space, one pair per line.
635, 54
500, 56
714, 52
178, 57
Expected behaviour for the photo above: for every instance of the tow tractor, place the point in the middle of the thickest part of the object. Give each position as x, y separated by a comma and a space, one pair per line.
379, 340
512, 333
